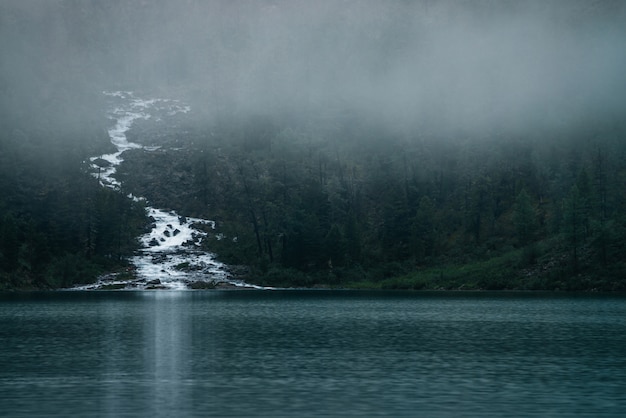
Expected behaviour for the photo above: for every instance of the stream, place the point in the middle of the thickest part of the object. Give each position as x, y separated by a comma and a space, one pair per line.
171, 256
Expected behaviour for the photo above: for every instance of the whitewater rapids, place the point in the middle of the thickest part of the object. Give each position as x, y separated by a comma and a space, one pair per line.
170, 256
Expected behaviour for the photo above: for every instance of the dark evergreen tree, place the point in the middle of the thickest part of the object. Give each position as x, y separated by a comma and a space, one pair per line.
525, 218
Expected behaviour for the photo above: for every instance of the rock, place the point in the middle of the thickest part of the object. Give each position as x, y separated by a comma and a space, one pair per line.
176, 232
101, 162
239, 271
166, 233
202, 285
113, 286
182, 266
108, 277
153, 242
226, 285
153, 282
159, 258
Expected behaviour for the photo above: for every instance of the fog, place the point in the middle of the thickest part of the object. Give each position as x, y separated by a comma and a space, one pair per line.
476, 66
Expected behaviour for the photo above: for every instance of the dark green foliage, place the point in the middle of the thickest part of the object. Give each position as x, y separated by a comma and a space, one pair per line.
386, 180
66, 234
338, 212
58, 226
525, 218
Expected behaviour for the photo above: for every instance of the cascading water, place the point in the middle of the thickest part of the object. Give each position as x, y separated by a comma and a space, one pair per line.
170, 257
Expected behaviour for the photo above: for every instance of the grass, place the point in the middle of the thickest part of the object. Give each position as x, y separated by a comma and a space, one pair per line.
540, 266
498, 273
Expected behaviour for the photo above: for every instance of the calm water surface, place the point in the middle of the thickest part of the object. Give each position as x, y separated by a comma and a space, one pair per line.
311, 353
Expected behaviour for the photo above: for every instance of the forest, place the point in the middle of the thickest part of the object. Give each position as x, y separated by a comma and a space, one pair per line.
356, 144
378, 209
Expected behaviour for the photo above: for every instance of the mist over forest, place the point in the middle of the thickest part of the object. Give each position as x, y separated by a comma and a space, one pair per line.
437, 98
417, 66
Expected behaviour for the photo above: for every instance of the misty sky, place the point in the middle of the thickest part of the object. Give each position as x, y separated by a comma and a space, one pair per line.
468, 64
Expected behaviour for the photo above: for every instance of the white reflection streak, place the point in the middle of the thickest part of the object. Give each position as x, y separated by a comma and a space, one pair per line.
168, 344
112, 355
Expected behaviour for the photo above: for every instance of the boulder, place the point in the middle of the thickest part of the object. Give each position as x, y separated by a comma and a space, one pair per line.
202, 285
101, 162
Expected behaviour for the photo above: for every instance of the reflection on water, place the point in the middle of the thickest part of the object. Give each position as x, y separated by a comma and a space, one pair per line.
307, 353
167, 338
146, 355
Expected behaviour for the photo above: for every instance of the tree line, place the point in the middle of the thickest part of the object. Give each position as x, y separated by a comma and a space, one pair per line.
361, 204
326, 146
58, 226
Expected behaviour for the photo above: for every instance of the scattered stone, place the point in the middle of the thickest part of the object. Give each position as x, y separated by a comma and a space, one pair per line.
239, 272
201, 285
113, 286
100, 162
108, 277
159, 258
226, 286
182, 266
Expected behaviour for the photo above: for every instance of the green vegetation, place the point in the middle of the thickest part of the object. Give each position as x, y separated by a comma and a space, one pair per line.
506, 272
362, 207
58, 226
347, 144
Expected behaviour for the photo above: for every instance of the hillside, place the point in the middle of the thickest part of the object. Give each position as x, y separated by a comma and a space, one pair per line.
378, 210
422, 144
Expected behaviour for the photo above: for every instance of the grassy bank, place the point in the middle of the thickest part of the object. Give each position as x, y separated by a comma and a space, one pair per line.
506, 272
496, 273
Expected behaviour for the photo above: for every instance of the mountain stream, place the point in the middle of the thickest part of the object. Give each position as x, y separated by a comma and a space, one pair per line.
170, 256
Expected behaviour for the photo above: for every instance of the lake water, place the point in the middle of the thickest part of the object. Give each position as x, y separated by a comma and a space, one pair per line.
311, 353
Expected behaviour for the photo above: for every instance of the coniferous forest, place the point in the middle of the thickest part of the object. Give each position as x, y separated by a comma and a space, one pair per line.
396, 145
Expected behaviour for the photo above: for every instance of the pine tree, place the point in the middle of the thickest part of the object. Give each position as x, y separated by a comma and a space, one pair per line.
525, 218
574, 223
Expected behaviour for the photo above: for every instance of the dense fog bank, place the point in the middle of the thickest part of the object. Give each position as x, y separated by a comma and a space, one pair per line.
333, 141
444, 66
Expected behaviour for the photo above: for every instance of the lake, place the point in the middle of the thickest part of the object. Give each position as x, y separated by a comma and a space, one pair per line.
311, 353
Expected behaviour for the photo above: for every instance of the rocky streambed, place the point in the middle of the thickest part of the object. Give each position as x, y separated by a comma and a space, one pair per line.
171, 255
